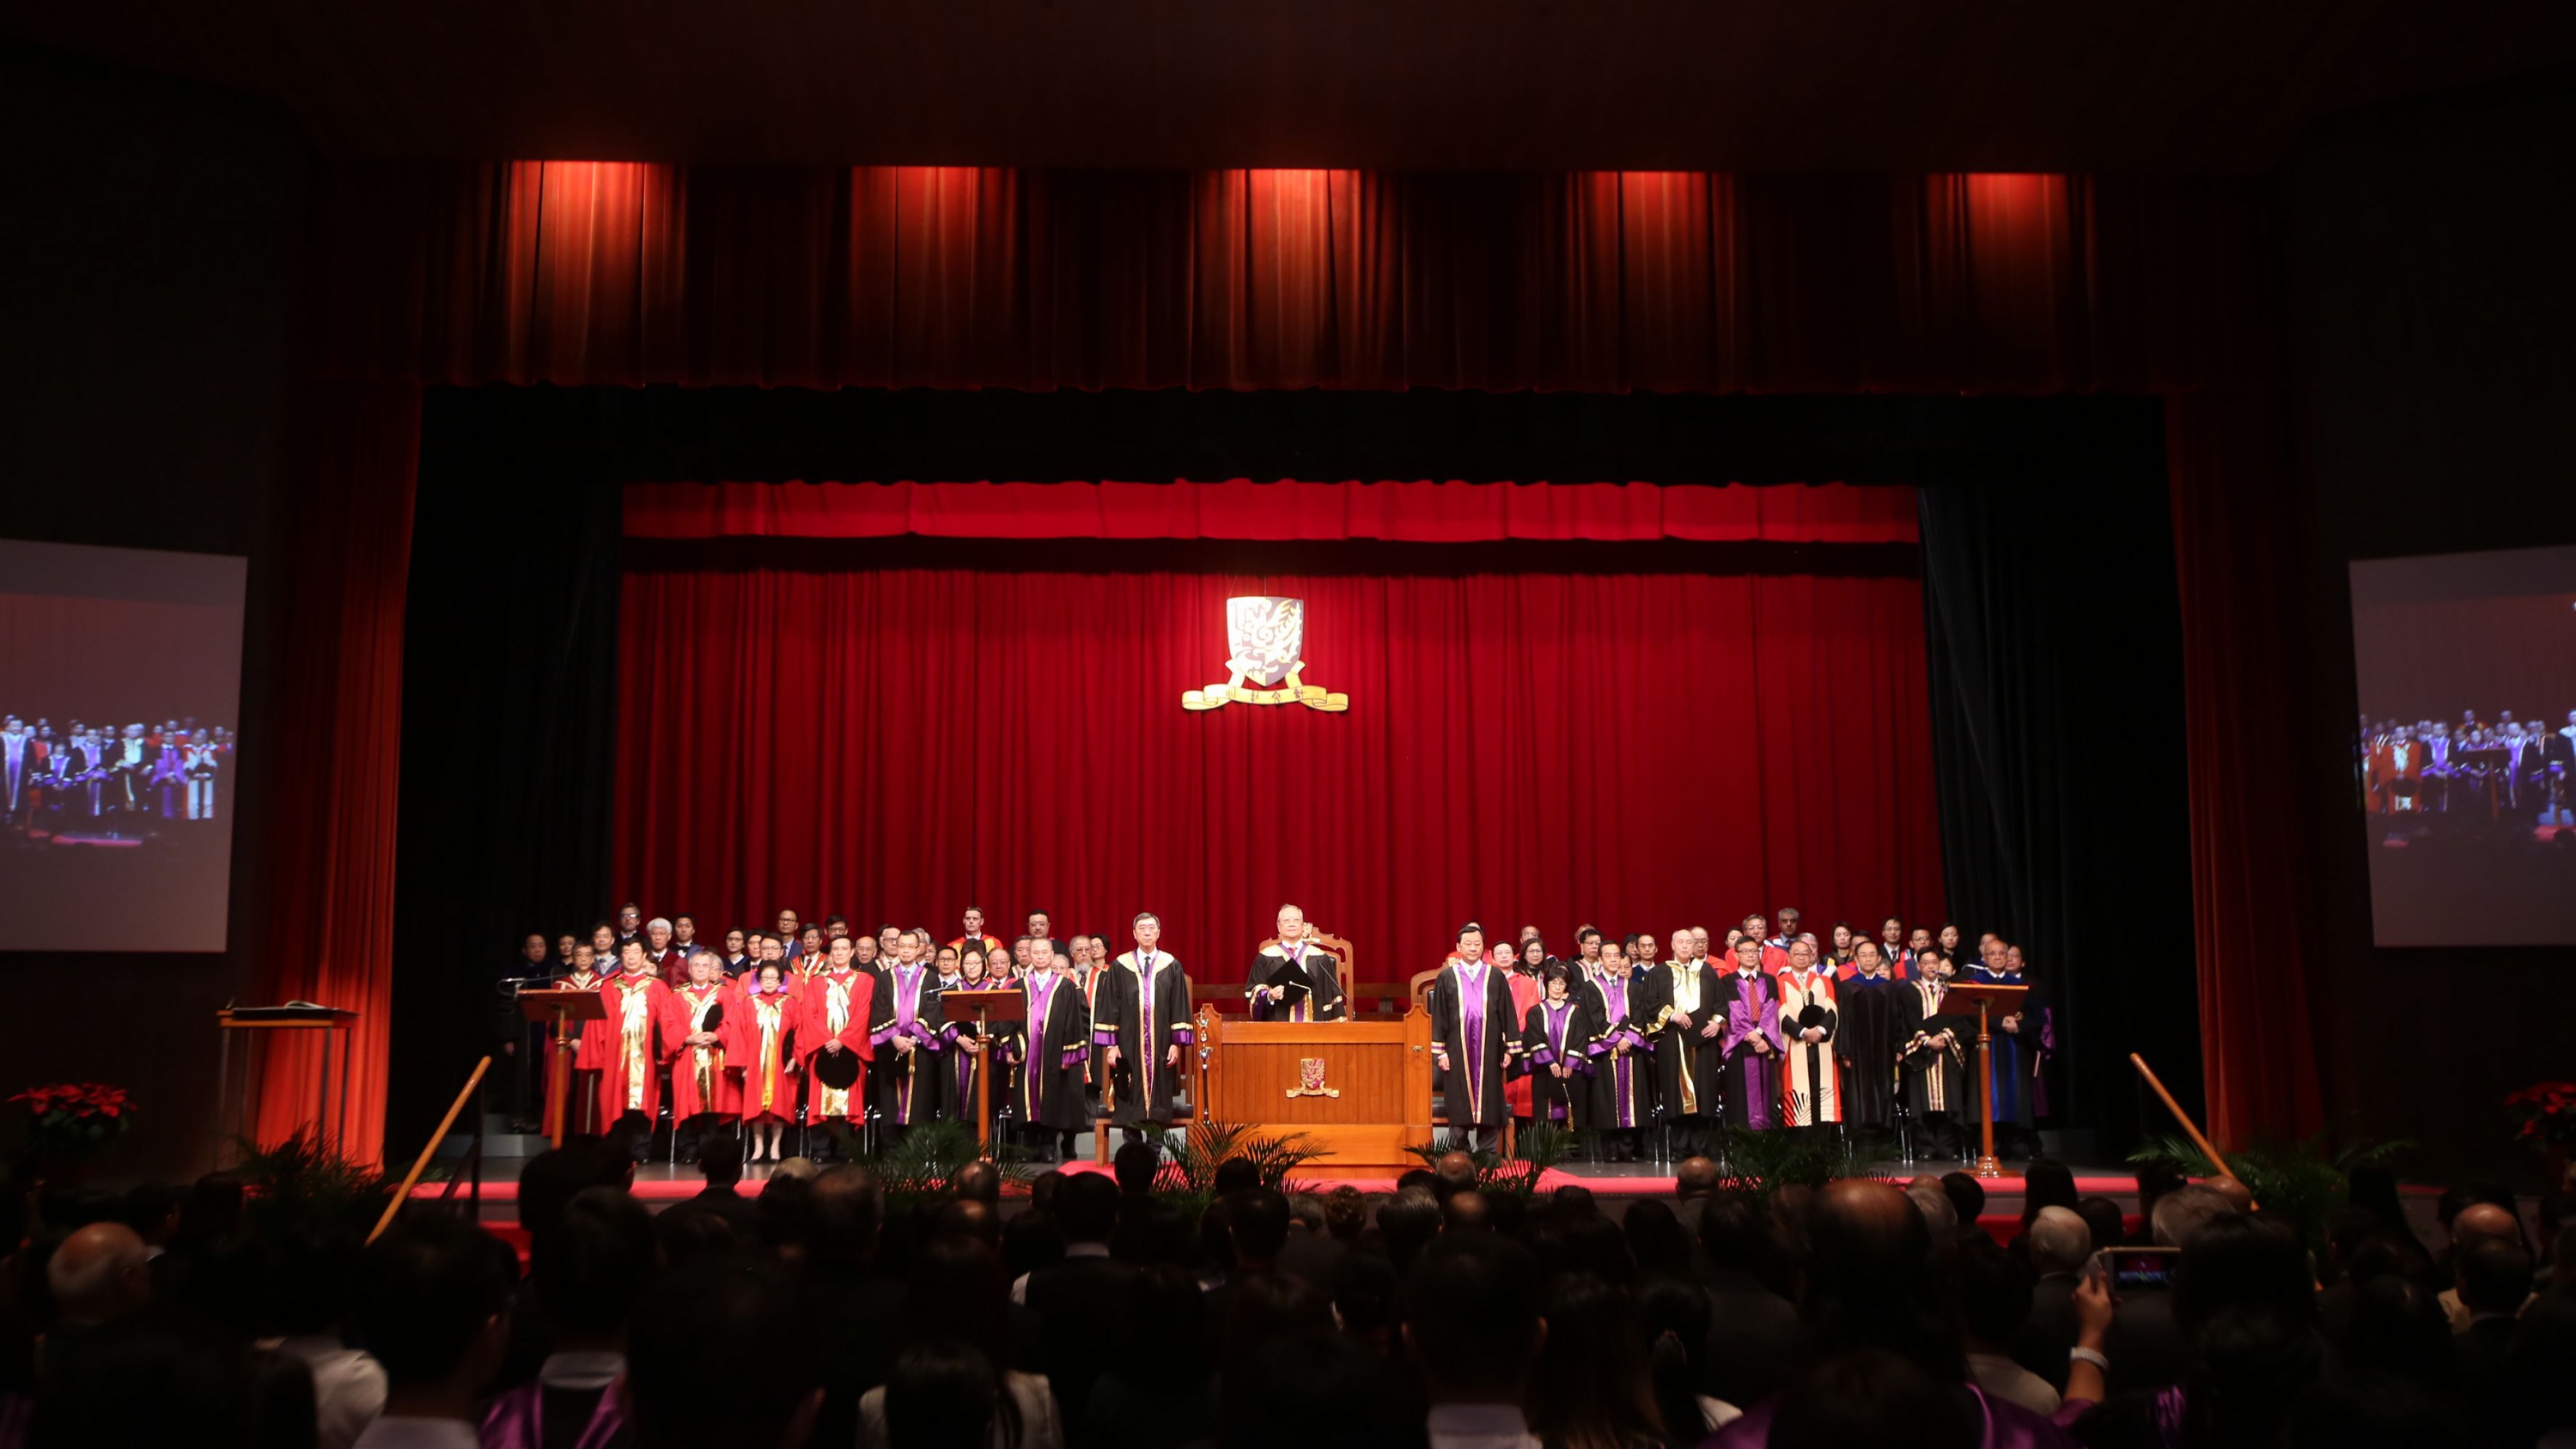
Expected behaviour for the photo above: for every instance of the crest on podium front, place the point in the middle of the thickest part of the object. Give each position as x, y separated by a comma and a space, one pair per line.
1265, 639
1310, 1079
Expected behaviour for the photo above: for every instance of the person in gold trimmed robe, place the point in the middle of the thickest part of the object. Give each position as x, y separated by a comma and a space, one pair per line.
1810, 1081
694, 1045
761, 1050
630, 1076
1932, 1046
837, 1003
1322, 975
1690, 1062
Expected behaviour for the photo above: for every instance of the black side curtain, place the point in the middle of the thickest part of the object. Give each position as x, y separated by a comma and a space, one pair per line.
509, 668
2055, 651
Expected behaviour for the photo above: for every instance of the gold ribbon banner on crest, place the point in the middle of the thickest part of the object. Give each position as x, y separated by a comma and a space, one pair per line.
1217, 696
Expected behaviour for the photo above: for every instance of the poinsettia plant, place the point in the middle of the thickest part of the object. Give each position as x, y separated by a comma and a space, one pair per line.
67, 1121
2545, 1113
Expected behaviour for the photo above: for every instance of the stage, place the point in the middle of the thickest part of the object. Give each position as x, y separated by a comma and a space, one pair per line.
662, 1184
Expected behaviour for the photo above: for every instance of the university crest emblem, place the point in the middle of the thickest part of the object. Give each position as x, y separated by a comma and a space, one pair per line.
1266, 639
1310, 1079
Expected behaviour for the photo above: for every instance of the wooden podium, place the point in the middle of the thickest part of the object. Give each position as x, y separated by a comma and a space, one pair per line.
1992, 1000
1361, 1090
560, 1007
977, 1007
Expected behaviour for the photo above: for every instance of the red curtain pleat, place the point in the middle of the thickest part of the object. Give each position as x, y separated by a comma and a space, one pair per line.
621, 273
333, 774
1533, 743
2228, 455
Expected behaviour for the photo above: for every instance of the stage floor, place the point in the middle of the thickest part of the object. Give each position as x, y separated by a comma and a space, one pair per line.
659, 1184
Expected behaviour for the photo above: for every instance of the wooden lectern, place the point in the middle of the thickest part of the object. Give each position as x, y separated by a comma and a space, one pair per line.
981, 1008
1361, 1090
562, 1006
1992, 1000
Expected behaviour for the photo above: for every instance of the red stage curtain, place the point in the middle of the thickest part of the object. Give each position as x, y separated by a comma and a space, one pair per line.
331, 777
1416, 512
592, 273
895, 744
2249, 854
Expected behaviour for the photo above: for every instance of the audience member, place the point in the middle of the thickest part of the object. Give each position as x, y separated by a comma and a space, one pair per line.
434, 1306
586, 1274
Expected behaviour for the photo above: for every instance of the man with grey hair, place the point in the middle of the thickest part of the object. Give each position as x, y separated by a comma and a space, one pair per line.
2061, 1243
2148, 1348
2183, 1211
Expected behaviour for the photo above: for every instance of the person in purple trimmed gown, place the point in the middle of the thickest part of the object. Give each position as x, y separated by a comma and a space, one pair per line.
1751, 1004
1553, 1037
1056, 1047
910, 1034
1471, 1033
1623, 1082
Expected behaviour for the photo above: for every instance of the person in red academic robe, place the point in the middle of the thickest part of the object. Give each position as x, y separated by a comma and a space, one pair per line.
2395, 771
975, 935
760, 1050
590, 1047
1523, 974
693, 1041
630, 1076
833, 1018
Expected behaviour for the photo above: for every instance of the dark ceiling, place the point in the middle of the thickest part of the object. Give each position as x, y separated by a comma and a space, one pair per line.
1746, 85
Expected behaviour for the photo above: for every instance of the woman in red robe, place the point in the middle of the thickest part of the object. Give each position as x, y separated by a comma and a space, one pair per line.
762, 1052
1528, 990
590, 1044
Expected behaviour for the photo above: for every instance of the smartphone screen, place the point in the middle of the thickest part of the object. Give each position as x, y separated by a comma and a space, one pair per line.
2139, 1270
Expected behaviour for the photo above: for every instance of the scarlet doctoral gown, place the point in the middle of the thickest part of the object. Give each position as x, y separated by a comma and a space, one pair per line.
836, 1008
1810, 1085
1527, 991
760, 1032
629, 1079
1473, 1025
1143, 1010
1055, 1045
699, 1080
909, 1084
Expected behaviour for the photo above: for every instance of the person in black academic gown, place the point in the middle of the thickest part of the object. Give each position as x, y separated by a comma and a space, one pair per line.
1056, 1045
1690, 1062
1866, 1042
1934, 1042
1472, 1029
1315, 966
1554, 1037
1144, 1029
